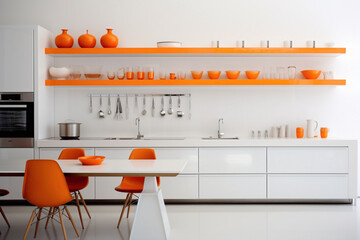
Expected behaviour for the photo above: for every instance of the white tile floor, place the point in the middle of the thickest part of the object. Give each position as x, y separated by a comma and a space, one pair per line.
207, 222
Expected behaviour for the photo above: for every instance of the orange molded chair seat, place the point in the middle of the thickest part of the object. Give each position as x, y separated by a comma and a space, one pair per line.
133, 184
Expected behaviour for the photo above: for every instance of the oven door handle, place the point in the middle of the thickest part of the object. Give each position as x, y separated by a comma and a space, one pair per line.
13, 106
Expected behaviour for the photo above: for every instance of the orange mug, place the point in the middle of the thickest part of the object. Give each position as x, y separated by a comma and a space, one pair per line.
172, 76
324, 132
299, 132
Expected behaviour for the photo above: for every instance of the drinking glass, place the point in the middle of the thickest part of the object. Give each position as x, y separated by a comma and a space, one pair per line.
150, 73
129, 73
292, 72
162, 75
140, 75
121, 74
111, 75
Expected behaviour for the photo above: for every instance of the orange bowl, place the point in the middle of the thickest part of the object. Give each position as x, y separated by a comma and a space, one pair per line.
214, 74
196, 74
252, 74
91, 160
311, 74
232, 74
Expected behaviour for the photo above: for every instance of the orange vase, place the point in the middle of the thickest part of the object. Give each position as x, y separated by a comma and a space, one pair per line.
64, 40
87, 40
109, 40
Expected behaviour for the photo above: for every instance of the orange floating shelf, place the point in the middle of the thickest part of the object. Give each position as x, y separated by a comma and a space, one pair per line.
201, 51
198, 82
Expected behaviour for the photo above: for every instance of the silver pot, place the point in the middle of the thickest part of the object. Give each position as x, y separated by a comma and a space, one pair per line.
69, 130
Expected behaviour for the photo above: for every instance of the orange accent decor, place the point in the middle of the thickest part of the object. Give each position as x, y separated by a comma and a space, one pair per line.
311, 74
86, 40
232, 74
197, 51
252, 74
172, 76
299, 132
196, 82
214, 74
91, 160
129, 75
324, 132
64, 40
109, 40
150, 75
196, 74
140, 75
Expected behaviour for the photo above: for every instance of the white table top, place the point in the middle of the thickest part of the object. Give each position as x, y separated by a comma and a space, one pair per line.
107, 168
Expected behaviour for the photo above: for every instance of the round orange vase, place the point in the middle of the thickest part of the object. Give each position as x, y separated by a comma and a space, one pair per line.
109, 40
87, 40
64, 40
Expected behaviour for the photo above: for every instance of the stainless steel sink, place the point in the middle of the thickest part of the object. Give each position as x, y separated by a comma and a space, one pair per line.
223, 138
114, 138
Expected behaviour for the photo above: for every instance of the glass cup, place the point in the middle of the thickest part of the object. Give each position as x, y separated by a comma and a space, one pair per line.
324, 132
121, 74
111, 75
162, 75
129, 73
299, 132
140, 75
281, 72
150, 74
292, 72
328, 75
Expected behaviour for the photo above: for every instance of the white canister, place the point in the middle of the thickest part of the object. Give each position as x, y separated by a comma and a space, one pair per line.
282, 132
311, 128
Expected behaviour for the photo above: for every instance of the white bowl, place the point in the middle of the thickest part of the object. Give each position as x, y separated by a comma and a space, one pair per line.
60, 73
168, 44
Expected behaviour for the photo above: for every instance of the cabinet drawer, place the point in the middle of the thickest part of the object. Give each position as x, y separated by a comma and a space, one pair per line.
180, 187
191, 154
232, 160
105, 188
308, 186
244, 186
54, 153
308, 159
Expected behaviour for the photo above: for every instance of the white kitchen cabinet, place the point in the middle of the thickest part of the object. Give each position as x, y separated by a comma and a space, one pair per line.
105, 188
308, 160
180, 187
16, 59
308, 186
239, 186
14, 184
232, 160
53, 153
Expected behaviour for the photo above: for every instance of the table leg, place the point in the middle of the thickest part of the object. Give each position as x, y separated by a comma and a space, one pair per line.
151, 221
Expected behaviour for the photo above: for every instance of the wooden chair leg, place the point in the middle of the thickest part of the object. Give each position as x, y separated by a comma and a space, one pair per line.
29, 224
48, 217
62, 224
82, 199
37, 222
3, 214
129, 205
79, 210
72, 222
123, 208
54, 212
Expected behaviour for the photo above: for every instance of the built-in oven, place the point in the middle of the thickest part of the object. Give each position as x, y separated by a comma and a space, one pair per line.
17, 120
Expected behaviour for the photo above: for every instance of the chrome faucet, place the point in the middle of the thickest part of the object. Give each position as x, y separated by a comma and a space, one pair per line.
137, 122
220, 134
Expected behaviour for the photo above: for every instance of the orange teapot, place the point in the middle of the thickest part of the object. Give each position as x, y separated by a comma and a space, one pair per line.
87, 40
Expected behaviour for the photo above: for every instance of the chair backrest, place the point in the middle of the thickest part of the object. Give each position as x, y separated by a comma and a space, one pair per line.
44, 184
72, 153
142, 154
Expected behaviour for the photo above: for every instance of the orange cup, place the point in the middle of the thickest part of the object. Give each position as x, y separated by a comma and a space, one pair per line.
172, 76
196, 74
140, 75
151, 75
299, 132
129, 75
232, 74
214, 74
252, 74
324, 132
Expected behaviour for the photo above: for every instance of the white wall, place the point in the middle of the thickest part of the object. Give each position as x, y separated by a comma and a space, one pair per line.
197, 23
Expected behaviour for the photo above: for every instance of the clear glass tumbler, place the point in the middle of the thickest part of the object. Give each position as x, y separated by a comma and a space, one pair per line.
291, 72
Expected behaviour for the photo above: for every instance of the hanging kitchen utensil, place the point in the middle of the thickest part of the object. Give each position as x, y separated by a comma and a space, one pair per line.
117, 114
170, 110
153, 107
162, 111
101, 113
143, 112
189, 99
109, 105
179, 113
136, 104
90, 103
120, 108
127, 108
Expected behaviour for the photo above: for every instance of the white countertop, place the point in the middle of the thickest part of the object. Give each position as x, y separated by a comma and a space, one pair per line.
113, 167
193, 142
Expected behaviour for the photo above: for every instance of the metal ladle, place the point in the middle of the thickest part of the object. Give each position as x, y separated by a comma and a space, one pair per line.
170, 110
162, 111
101, 113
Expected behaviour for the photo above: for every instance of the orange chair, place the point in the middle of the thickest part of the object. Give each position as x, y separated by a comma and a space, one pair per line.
132, 185
4, 192
45, 186
76, 183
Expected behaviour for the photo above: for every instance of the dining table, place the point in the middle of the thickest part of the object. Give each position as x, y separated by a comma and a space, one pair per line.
151, 221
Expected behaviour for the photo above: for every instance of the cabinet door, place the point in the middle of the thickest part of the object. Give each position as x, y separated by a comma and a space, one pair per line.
14, 185
240, 186
16, 154
114, 153
16, 59
180, 187
105, 188
308, 159
308, 186
232, 160
53, 153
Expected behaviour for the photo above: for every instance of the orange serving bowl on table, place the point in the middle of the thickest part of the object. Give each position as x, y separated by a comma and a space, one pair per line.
91, 160
311, 74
